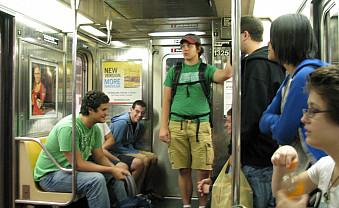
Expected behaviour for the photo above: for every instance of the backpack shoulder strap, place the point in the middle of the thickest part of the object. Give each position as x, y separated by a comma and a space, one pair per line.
177, 71
205, 88
202, 80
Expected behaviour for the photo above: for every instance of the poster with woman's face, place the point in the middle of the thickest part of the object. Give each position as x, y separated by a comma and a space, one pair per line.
43, 88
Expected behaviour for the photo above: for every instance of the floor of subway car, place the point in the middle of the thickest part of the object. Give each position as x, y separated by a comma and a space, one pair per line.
172, 202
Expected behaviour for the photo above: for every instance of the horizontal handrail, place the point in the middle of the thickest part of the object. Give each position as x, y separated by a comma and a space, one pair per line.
26, 201
44, 148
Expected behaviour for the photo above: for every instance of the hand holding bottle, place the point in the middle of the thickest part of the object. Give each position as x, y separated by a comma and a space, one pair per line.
284, 156
294, 188
285, 159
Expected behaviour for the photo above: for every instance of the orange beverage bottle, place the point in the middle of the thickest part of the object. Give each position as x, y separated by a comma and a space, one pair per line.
293, 187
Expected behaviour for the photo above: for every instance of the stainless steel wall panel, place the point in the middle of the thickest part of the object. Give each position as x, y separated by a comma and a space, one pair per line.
221, 51
34, 126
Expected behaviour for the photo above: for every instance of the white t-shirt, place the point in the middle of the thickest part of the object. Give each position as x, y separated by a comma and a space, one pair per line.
320, 173
104, 130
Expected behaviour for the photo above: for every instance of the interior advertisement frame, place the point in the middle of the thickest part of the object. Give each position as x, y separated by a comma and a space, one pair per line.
122, 80
43, 90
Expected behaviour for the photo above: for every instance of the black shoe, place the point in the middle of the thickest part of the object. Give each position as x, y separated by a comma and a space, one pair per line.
153, 195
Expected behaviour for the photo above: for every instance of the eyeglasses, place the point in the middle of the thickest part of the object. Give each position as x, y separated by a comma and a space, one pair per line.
311, 112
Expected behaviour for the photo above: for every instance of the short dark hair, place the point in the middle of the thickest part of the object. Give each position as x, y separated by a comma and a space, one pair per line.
293, 39
201, 48
93, 99
325, 81
229, 112
253, 26
139, 102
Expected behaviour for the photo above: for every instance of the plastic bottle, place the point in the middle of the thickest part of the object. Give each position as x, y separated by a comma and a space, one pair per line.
293, 187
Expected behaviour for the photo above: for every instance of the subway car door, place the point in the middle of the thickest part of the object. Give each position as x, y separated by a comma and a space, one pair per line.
6, 112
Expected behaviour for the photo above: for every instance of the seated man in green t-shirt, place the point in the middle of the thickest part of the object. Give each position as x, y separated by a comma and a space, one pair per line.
100, 181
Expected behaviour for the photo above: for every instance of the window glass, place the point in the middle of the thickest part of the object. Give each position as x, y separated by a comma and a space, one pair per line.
331, 28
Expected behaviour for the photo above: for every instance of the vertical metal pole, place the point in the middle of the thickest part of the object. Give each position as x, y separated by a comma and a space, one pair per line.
236, 100
74, 56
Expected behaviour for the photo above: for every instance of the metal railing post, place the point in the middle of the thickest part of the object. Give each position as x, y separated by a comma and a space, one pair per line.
75, 5
236, 100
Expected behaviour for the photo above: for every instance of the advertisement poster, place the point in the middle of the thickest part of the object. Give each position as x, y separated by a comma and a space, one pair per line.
122, 81
228, 85
43, 90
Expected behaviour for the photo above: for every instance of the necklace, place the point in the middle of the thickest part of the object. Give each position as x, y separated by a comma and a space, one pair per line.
327, 193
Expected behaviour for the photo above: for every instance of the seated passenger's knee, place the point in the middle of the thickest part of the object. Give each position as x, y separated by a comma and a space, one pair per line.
154, 159
97, 179
137, 163
122, 165
146, 160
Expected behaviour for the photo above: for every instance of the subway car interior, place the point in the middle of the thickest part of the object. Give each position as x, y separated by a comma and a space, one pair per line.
80, 45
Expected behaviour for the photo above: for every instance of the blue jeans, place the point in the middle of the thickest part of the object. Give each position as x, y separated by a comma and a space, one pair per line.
93, 184
260, 181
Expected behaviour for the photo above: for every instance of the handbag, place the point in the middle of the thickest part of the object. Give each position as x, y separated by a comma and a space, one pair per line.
222, 190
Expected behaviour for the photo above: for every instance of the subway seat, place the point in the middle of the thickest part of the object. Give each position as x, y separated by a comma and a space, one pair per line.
28, 188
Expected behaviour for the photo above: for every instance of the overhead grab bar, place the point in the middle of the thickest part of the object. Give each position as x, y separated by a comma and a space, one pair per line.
109, 26
108, 43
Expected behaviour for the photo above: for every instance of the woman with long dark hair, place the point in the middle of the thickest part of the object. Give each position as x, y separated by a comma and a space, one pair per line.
293, 45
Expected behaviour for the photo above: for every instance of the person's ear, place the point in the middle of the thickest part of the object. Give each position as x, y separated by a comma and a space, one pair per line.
246, 34
199, 49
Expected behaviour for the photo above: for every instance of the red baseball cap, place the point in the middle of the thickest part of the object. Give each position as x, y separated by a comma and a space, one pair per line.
191, 38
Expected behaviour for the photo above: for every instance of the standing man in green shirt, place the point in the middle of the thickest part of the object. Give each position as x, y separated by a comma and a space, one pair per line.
189, 133
100, 181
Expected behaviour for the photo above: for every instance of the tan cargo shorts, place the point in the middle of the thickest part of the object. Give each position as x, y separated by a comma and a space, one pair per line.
185, 151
